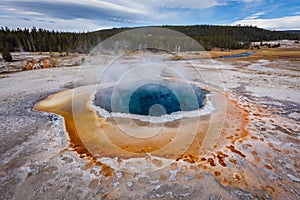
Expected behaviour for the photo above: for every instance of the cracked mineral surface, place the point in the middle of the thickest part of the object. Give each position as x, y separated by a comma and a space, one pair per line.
256, 155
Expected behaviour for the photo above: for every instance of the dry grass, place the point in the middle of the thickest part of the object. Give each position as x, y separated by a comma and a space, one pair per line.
292, 54
217, 53
289, 54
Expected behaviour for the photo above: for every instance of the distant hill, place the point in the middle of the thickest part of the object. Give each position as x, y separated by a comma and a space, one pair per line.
293, 31
209, 36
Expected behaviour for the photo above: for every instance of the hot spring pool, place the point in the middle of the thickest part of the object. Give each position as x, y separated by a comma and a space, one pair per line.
150, 99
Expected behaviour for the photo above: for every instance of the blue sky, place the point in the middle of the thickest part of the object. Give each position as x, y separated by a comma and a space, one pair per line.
90, 15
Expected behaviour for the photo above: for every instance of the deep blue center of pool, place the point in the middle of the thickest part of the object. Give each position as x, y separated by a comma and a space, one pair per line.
152, 99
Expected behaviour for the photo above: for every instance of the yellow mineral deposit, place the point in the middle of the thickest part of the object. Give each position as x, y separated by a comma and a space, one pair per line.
191, 139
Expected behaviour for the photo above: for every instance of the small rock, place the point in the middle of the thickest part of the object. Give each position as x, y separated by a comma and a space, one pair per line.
154, 181
157, 187
52, 118
215, 197
293, 178
172, 175
294, 115
115, 184
67, 159
274, 176
129, 184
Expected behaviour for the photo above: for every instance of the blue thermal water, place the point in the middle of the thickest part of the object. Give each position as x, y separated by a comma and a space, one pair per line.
238, 55
152, 99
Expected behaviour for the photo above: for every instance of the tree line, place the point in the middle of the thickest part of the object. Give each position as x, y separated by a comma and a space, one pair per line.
209, 36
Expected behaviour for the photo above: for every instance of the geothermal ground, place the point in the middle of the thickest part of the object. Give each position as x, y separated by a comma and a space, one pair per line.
256, 156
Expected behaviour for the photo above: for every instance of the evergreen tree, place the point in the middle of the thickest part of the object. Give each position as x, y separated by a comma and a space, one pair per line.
229, 37
6, 56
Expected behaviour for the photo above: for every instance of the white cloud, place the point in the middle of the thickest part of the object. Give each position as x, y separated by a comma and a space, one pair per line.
77, 15
244, 1
21, 12
191, 4
102, 12
153, 4
25, 7
106, 5
283, 23
60, 14
76, 25
255, 16
249, 1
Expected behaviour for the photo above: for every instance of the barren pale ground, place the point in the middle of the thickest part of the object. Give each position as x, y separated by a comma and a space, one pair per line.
257, 155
